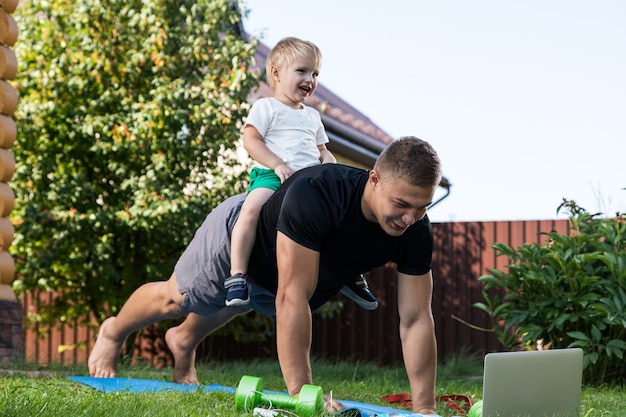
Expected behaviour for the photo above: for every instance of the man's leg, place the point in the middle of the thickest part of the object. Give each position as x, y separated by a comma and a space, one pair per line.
150, 303
184, 339
359, 292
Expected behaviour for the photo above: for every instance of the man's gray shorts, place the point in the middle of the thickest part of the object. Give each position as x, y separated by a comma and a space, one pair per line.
205, 264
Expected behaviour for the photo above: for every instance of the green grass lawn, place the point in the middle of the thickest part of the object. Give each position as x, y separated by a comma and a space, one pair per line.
47, 391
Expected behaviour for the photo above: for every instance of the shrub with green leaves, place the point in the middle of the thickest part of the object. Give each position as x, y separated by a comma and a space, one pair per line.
129, 115
567, 292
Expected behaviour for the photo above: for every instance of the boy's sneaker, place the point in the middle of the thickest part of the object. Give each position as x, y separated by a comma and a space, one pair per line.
359, 292
237, 286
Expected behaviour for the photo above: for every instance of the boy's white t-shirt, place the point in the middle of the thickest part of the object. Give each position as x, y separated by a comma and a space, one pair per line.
291, 134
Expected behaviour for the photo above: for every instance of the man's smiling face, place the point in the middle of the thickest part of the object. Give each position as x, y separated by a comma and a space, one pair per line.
396, 204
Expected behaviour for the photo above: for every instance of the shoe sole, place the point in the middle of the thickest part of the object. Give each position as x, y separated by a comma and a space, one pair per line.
237, 302
367, 305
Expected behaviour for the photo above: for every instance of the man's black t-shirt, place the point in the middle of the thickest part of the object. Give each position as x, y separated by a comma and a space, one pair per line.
320, 208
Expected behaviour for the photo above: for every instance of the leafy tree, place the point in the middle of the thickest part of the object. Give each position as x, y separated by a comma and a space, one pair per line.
568, 292
128, 119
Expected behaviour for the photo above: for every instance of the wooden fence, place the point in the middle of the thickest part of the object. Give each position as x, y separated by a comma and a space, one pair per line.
462, 253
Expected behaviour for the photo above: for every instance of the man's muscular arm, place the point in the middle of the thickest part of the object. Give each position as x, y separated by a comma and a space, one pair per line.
417, 333
297, 278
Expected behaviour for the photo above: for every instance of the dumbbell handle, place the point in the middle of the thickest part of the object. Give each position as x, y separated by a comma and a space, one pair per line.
282, 400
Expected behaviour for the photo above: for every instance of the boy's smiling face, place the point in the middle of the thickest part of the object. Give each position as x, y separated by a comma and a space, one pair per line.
296, 82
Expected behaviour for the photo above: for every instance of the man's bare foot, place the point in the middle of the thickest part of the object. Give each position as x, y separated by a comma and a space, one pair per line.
184, 358
103, 359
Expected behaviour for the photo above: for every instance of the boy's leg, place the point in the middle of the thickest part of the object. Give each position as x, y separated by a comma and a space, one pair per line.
242, 241
150, 303
244, 231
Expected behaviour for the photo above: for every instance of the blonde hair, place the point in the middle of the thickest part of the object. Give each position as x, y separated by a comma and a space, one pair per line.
286, 51
412, 160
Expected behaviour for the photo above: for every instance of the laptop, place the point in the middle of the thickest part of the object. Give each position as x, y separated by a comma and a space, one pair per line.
542, 383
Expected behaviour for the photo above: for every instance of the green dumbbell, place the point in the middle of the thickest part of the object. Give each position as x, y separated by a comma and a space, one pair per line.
309, 403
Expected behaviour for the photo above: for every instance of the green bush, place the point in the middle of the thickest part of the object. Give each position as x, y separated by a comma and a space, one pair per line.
130, 114
567, 292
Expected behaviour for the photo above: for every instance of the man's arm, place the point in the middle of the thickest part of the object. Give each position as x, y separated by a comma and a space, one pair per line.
417, 333
297, 278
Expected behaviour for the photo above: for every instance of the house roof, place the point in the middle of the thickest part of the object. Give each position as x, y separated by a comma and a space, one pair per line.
351, 133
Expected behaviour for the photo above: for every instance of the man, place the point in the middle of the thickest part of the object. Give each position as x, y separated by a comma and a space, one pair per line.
322, 227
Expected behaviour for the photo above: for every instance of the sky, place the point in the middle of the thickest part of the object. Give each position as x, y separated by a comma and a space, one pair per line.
524, 101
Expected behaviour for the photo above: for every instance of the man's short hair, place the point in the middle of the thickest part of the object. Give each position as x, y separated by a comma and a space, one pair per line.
411, 159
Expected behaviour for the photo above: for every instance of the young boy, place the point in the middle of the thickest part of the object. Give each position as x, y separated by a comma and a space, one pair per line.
282, 135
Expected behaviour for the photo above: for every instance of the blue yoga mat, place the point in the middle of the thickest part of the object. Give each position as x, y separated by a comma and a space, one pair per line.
135, 385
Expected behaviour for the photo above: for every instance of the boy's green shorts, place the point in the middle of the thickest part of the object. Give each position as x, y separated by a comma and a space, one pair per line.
263, 178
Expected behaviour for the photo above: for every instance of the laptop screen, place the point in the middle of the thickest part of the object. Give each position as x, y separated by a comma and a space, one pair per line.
533, 383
